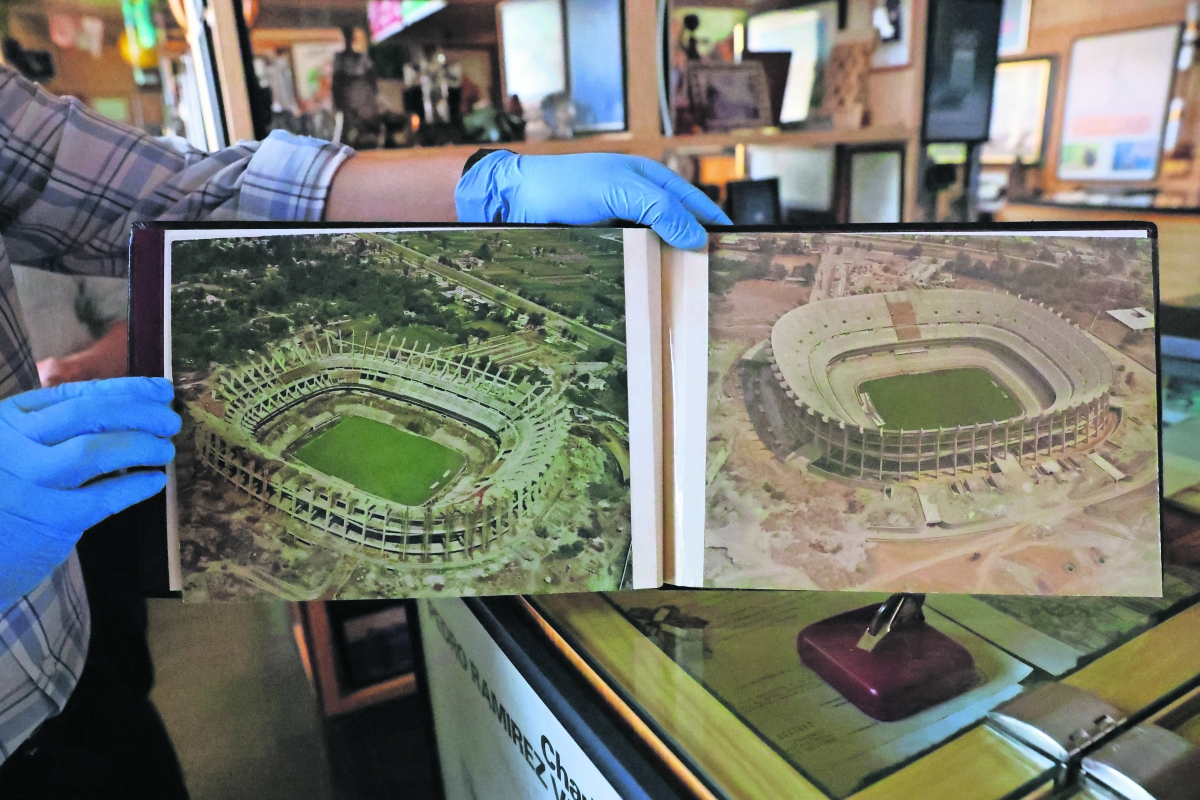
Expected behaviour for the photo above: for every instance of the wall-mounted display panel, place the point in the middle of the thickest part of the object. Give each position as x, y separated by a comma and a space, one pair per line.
1116, 105
960, 67
1019, 105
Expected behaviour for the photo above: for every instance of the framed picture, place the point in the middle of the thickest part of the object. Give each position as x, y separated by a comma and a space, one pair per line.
1115, 109
893, 20
1014, 27
960, 67
870, 183
1020, 112
729, 96
356, 653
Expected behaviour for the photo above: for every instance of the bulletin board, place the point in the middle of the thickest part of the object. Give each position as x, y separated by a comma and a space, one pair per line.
1116, 105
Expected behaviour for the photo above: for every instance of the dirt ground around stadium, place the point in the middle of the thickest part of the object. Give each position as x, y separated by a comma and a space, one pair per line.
771, 523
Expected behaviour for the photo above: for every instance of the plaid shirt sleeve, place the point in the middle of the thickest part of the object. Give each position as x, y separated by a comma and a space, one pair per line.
71, 185
72, 182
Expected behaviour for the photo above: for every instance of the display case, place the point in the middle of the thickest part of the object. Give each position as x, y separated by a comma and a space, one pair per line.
712, 682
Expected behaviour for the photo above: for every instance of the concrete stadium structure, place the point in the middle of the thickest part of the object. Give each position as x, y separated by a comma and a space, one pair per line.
255, 416
822, 352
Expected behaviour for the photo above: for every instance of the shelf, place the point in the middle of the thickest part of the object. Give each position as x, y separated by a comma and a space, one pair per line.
773, 136
656, 146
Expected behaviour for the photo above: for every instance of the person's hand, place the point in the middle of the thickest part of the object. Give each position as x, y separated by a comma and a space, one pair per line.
59, 449
586, 189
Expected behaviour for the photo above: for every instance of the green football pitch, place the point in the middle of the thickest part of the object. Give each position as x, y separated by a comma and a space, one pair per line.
940, 399
382, 460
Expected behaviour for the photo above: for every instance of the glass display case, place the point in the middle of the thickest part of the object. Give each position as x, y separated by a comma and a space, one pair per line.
713, 680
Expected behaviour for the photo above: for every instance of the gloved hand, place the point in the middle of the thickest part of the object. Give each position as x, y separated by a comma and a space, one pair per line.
53, 444
585, 189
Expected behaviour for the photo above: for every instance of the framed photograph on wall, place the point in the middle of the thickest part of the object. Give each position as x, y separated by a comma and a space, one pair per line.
870, 183
893, 20
730, 96
1020, 112
1014, 27
1115, 109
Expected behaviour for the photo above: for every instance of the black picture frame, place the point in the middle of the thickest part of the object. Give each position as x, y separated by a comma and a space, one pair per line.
754, 202
962, 37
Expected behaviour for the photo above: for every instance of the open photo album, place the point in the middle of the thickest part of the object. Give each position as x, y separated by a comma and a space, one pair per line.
379, 412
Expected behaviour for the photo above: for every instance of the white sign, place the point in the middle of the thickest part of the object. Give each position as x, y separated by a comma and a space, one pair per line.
495, 735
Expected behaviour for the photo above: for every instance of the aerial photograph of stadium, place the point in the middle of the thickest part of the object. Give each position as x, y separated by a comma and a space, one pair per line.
933, 412
394, 414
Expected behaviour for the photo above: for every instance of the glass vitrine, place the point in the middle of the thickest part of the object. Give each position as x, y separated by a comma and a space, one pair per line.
713, 681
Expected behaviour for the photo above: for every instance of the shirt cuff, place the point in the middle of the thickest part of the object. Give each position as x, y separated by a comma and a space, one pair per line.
288, 178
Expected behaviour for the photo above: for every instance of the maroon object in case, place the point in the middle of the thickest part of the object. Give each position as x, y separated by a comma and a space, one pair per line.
910, 669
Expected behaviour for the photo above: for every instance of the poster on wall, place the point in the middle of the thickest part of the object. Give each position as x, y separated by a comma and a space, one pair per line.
1019, 100
1014, 27
893, 20
1116, 105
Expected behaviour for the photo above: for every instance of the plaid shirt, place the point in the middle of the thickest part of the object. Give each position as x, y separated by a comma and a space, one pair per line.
71, 185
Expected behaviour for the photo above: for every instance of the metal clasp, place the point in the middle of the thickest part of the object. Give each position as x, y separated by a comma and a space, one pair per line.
901, 610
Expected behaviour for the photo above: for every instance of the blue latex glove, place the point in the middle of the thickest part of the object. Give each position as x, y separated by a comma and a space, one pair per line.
586, 189
54, 444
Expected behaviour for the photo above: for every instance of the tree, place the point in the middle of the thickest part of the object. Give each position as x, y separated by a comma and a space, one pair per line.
484, 253
569, 550
606, 353
536, 320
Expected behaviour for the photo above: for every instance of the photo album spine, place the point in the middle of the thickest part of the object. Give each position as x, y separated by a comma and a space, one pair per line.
685, 310
147, 300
